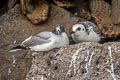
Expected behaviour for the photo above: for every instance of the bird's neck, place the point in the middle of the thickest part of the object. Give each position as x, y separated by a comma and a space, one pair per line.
64, 34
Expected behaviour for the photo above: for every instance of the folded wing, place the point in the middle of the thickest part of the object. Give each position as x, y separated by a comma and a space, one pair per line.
34, 40
44, 35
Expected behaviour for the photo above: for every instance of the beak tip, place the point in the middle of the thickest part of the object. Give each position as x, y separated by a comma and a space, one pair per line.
72, 32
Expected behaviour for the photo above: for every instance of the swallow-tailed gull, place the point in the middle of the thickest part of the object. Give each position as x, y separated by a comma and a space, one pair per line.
45, 41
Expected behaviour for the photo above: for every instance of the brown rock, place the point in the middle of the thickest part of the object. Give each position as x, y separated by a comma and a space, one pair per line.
84, 61
115, 11
101, 12
14, 28
39, 14
12, 3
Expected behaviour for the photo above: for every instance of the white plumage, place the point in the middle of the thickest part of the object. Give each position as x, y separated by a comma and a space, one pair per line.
86, 32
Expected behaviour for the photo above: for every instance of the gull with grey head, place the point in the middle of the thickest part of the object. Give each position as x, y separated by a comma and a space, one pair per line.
45, 41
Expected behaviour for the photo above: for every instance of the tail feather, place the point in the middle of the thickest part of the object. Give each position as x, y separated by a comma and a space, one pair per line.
15, 48
19, 47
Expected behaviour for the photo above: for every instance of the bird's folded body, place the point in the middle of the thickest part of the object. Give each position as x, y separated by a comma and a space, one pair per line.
46, 41
86, 32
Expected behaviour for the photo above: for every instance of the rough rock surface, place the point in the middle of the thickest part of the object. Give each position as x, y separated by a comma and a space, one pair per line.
84, 61
105, 16
14, 28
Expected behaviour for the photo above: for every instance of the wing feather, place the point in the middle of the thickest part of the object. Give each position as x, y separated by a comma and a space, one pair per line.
34, 40
44, 35
95, 28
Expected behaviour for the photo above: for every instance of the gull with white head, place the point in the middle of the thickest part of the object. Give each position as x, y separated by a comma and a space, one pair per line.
86, 31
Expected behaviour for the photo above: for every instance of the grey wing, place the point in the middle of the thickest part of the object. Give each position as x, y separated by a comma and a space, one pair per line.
95, 28
34, 40
44, 35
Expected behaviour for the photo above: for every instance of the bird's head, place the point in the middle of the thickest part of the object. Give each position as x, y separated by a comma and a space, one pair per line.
78, 29
58, 29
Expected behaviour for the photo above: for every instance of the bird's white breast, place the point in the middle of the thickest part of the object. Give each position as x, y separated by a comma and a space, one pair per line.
61, 40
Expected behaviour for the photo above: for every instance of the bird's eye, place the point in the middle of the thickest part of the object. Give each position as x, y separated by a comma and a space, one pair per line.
79, 29
83, 29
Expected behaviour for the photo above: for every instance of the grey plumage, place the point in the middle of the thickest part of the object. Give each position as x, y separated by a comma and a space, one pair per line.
89, 25
35, 40
45, 41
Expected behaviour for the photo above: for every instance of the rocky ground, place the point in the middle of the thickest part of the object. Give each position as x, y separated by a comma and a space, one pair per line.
84, 61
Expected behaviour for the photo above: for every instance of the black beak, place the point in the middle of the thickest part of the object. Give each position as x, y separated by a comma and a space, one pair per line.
72, 32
